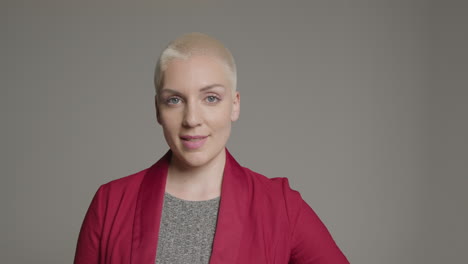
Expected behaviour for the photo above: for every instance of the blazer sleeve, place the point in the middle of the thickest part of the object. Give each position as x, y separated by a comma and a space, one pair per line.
88, 245
311, 242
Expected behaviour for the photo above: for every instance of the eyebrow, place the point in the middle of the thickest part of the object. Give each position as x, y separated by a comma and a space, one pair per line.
211, 86
208, 87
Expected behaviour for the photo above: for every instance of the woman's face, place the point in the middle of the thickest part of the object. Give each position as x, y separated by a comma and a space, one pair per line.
195, 107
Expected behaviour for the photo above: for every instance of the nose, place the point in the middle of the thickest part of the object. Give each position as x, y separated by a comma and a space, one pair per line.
192, 116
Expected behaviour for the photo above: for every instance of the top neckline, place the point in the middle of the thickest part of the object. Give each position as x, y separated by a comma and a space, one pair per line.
190, 201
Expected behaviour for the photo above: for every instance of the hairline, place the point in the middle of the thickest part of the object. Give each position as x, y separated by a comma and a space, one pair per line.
193, 44
230, 73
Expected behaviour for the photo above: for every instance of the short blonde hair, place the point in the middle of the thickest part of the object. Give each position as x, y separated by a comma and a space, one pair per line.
192, 44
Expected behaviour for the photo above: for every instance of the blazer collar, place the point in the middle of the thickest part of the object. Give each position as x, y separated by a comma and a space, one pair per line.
233, 212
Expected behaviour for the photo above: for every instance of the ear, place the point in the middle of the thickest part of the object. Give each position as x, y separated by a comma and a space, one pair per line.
158, 118
235, 107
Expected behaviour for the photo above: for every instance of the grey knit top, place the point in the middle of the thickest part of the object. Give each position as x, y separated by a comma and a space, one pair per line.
187, 230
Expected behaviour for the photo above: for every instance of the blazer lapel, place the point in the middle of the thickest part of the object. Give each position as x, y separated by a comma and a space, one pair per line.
233, 212
232, 215
148, 212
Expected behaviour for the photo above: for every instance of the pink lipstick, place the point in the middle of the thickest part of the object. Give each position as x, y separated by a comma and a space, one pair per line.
193, 142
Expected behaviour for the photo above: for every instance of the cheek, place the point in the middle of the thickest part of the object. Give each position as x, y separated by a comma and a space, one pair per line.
220, 119
168, 122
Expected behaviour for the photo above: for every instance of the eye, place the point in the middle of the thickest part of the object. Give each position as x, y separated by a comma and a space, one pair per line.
173, 100
212, 99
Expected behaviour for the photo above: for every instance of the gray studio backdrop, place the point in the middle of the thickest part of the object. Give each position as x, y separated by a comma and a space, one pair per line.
361, 104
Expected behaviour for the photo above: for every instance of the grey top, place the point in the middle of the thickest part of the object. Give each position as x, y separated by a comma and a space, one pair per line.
187, 230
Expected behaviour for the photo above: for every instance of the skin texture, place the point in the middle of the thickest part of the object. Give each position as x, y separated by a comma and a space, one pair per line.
196, 99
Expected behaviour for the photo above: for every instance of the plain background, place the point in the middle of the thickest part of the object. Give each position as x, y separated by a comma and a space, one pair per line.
361, 104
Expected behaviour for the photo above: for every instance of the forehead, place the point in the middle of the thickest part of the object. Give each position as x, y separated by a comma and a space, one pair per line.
195, 72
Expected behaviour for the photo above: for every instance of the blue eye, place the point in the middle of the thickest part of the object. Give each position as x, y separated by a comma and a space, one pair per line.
212, 99
173, 100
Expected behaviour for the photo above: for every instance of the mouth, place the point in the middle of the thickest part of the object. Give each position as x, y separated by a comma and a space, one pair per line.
193, 142
193, 138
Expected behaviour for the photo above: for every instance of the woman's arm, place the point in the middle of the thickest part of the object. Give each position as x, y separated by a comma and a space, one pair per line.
88, 246
311, 242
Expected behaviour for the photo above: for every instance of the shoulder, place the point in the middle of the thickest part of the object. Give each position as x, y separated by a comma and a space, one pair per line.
131, 179
115, 195
277, 184
127, 184
277, 190
311, 242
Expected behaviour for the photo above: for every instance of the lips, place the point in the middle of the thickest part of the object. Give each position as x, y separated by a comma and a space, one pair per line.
193, 141
192, 137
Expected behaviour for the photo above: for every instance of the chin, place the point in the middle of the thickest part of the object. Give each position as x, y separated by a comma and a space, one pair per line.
196, 158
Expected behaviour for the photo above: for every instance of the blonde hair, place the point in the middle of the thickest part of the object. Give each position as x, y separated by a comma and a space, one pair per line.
192, 44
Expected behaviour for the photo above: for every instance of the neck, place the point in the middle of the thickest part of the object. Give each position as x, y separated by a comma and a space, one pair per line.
196, 183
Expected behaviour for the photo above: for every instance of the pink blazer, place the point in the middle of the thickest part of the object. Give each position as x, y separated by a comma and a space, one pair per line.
260, 220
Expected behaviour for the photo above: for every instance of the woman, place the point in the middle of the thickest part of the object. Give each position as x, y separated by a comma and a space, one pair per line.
197, 204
